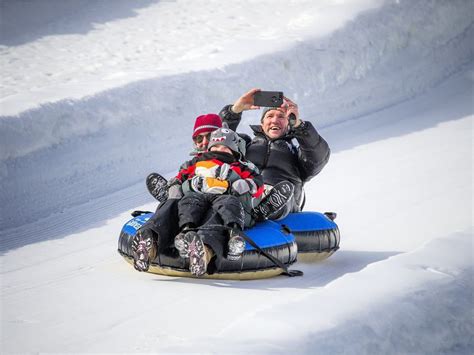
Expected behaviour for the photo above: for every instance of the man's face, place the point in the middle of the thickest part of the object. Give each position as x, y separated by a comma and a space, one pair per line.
275, 124
201, 141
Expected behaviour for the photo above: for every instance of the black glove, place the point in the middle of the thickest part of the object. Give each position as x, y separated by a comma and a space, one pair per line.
291, 120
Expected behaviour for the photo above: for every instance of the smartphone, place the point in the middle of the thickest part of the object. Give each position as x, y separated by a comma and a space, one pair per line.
268, 98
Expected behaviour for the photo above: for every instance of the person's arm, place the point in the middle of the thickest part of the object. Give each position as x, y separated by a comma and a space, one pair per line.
258, 180
186, 170
313, 151
188, 180
230, 117
232, 114
250, 181
175, 185
291, 111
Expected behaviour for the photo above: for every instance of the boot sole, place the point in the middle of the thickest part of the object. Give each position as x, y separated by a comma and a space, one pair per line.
157, 186
141, 251
275, 200
197, 254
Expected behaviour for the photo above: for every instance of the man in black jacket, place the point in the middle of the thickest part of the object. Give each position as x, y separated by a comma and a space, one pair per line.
283, 147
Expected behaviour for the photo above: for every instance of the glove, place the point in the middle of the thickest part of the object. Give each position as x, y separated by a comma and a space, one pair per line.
223, 171
292, 120
209, 185
243, 186
175, 192
293, 113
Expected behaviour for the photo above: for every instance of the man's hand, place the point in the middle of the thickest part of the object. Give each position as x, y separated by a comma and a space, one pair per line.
291, 112
245, 102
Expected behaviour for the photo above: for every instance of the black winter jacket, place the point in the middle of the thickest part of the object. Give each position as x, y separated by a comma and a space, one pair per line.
296, 157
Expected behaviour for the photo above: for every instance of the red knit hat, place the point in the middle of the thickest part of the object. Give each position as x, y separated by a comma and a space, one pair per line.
207, 123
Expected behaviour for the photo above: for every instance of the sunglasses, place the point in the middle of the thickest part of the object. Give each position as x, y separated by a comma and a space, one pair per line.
200, 138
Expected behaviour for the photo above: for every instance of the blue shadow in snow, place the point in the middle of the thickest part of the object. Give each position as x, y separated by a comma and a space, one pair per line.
318, 274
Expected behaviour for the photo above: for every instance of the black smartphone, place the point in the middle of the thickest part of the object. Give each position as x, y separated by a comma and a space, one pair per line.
268, 98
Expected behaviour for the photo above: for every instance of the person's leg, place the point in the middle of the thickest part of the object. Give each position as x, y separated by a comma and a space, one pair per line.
278, 202
156, 235
200, 246
191, 209
198, 252
144, 249
231, 212
164, 224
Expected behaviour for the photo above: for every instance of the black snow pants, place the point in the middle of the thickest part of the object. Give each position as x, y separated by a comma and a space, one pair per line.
208, 212
164, 224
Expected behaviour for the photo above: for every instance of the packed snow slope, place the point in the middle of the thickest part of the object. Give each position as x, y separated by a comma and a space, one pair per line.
93, 98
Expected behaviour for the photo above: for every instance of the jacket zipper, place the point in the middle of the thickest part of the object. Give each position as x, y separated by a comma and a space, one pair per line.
267, 155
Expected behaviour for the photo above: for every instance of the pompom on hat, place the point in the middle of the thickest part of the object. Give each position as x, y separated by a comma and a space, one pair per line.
206, 123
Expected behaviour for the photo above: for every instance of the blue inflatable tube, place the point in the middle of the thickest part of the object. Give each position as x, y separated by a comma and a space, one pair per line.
306, 236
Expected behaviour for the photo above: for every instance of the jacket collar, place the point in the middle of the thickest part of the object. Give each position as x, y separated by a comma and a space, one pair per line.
257, 129
223, 157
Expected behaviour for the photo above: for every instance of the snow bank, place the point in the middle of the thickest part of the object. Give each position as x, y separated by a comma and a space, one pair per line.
396, 309
68, 50
112, 139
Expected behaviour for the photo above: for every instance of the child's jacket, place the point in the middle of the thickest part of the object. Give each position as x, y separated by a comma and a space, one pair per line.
215, 172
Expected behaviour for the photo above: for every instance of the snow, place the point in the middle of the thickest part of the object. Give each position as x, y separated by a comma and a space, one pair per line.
93, 98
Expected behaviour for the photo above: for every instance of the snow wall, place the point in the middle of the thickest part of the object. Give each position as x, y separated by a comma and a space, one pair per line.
69, 152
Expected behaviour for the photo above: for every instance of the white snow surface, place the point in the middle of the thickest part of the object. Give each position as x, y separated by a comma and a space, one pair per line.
93, 97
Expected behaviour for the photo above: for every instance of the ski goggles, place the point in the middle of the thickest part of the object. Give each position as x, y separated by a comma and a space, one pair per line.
200, 138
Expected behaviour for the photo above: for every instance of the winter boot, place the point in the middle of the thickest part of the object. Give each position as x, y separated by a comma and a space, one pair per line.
198, 255
157, 186
236, 245
272, 203
181, 243
143, 249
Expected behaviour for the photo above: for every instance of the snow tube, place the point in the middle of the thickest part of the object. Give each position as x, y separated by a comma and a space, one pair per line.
307, 235
316, 234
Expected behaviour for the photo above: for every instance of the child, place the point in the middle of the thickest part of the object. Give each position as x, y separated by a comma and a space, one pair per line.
218, 187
